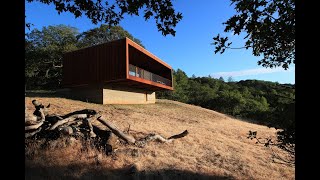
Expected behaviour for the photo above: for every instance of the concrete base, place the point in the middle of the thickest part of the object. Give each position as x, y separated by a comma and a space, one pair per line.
127, 95
111, 94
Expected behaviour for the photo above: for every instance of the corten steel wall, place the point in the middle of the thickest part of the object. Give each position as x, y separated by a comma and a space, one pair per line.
95, 64
100, 73
109, 62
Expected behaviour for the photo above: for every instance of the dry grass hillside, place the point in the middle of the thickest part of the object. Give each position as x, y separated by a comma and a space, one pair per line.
215, 148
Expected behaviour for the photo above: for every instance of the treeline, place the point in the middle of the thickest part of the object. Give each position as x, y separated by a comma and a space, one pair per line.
265, 102
44, 50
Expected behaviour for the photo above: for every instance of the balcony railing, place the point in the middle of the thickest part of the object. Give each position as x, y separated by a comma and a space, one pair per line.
144, 74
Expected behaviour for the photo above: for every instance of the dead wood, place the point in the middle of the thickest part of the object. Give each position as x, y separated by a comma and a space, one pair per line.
92, 134
94, 117
31, 122
69, 119
89, 112
39, 106
36, 103
67, 130
30, 119
55, 116
156, 137
128, 138
80, 123
183, 134
75, 122
36, 126
33, 133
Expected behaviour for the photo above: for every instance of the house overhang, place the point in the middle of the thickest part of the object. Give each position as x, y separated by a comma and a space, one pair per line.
139, 83
146, 61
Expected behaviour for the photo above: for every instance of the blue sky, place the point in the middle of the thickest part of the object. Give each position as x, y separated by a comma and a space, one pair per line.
191, 49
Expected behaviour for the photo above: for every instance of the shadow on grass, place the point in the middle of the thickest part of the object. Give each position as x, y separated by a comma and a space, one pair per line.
80, 171
44, 93
51, 94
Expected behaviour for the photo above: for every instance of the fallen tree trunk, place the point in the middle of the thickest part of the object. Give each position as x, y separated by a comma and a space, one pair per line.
92, 134
75, 122
94, 117
69, 119
142, 142
31, 122
36, 126
128, 138
40, 111
32, 133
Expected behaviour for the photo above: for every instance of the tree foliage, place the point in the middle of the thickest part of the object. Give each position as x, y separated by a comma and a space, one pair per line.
103, 34
230, 79
262, 101
221, 79
269, 28
112, 13
43, 54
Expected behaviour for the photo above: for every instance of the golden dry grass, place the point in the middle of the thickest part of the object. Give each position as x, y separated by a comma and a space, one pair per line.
215, 148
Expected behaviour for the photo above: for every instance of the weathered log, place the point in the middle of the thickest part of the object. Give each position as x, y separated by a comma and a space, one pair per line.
30, 123
36, 126
157, 137
142, 142
30, 119
32, 133
41, 107
89, 112
128, 138
75, 122
94, 117
43, 117
54, 116
67, 130
183, 134
36, 103
92, 134
69, 119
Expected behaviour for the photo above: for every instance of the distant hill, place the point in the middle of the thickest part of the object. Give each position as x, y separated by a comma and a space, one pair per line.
262, 101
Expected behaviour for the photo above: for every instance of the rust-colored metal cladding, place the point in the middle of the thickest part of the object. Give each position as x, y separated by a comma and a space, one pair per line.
115, 65
110, 62
95, 64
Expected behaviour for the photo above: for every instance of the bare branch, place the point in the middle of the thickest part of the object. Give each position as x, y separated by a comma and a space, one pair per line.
36, 126
32, 133
238, 47
116, 131
92, 134
69, 119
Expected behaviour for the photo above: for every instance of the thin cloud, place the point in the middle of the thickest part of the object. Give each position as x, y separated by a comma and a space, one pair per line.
249, 72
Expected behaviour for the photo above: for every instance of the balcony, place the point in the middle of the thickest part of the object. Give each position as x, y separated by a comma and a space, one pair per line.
144, 74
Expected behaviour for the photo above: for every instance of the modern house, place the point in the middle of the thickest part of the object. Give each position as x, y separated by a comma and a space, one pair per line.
117, 72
